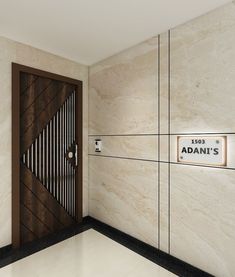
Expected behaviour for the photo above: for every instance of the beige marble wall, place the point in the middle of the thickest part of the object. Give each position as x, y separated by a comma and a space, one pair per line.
190, 209
203, 218
123, 194
11, 51
123, 110
123, 92
202, 73
202, 96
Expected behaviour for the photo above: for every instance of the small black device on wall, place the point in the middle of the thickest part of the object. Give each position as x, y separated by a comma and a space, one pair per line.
98, 145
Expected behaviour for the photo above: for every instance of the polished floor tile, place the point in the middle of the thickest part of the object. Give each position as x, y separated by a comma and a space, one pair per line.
85, 255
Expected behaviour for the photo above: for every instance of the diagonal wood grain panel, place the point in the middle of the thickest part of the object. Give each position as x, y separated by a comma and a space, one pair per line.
33, 223
47, 177
36, 207
33, 111
26, 81
26, 235
29, 136
39, 191
30, 94
47, 181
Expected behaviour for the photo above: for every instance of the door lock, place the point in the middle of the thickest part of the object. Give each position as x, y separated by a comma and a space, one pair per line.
70, 155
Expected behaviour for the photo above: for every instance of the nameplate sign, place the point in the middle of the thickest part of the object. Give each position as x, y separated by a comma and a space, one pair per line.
211, 150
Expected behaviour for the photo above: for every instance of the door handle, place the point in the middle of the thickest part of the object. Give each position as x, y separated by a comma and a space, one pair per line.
70, 155
76, 155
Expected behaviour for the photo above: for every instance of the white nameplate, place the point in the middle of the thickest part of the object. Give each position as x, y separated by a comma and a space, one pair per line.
211, 150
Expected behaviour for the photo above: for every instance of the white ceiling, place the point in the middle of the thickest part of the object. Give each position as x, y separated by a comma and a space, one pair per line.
87, 31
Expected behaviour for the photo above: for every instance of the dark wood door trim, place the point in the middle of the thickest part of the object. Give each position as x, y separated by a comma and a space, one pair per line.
16, 70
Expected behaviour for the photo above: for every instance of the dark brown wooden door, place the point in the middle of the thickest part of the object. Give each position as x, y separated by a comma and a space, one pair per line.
46, 152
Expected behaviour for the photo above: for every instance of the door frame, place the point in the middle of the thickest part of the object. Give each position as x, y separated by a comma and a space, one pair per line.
16, 70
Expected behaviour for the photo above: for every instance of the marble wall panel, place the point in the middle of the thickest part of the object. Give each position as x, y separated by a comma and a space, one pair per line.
203, 73
164, 211
123, 92
203, 218
164, 68
123, 194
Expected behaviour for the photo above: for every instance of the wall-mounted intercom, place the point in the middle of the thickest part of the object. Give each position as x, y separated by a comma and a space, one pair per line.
98, 145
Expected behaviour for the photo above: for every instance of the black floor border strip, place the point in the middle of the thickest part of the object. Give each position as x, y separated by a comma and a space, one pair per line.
8, 255
5, 250
151, 253
170, 263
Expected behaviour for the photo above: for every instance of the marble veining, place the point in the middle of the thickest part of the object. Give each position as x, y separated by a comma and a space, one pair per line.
202, 73
203, 218
116, 105
123, 194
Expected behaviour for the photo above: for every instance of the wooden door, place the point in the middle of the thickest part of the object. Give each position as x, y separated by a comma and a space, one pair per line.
46, 153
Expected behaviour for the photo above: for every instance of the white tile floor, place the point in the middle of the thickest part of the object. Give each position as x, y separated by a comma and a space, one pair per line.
89, 254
